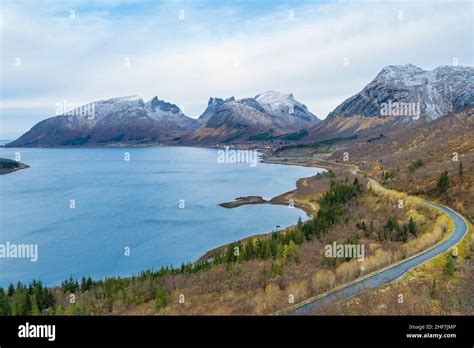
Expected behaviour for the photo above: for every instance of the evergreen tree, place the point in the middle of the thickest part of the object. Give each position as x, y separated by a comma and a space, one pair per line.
70, 285
392, 224
274, 247
11, 290
249, 250
450, 265
290, 250
5, 308
86, 284
242, 254
299, 237
161, 298
258, 248
49, 300
279, 249
443, 182
412, 227
229, 254
403, 234
21, 301
266, 250
34, 307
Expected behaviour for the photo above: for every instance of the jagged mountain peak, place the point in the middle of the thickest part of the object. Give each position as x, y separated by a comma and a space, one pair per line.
155, 103
212, 105
263, 117
219, 101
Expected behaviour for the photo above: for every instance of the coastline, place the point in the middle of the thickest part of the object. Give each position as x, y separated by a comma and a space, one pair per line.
267, 157
282, 199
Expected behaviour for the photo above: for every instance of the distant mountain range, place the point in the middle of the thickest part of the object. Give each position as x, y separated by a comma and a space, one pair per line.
129, 120
397, 96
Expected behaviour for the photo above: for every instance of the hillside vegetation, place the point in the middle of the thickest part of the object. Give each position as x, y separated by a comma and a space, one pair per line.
263, 274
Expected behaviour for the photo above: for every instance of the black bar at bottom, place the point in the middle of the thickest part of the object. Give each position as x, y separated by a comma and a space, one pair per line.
291, 330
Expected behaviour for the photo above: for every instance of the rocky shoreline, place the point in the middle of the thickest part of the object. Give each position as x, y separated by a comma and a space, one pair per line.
302, 184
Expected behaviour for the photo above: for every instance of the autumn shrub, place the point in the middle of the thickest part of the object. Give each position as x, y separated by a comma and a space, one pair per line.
322, 281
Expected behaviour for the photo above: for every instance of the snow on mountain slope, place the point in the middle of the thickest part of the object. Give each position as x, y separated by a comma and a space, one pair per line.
436, 92
117, 120
268, 115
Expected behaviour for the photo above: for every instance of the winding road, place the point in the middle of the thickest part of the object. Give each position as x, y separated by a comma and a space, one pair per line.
387, 274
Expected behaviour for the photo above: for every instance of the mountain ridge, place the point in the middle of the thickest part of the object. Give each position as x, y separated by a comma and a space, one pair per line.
131, 120
396, 97
266, 116
438, 91
121, 119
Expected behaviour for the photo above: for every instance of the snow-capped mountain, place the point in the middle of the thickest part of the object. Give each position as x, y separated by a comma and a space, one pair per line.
212, 105
117, 120
395, 98
285, 107
434, 93
264, 117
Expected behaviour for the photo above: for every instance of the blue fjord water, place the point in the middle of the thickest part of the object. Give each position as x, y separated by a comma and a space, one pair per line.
133, 204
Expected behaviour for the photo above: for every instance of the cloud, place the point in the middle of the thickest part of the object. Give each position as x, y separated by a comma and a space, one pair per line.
217, 49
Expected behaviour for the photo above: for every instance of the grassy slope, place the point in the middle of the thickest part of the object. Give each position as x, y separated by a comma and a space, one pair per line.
427, 289
435, 144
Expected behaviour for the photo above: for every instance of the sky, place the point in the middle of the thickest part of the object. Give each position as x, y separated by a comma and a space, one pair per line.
57, 53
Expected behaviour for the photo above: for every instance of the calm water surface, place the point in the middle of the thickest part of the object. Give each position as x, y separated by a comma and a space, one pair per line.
133, 204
